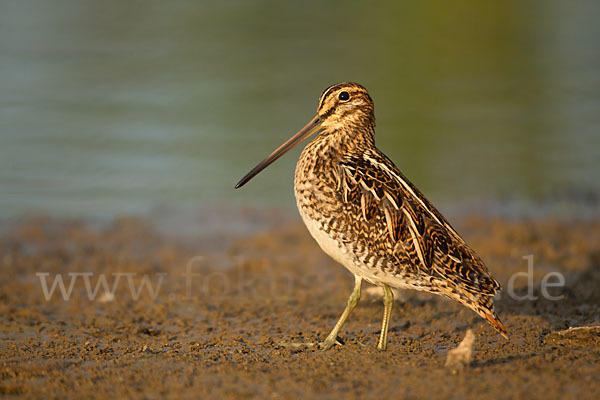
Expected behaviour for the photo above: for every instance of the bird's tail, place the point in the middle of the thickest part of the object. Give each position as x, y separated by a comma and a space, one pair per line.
483, 305
485, 309
497, 324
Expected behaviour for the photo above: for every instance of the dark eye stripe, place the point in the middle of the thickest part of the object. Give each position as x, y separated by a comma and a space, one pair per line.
328, 112
352, 91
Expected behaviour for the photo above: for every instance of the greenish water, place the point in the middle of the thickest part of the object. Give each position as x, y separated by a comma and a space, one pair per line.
117, 107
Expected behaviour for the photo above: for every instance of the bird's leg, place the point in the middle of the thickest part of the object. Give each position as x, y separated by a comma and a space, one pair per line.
352, 302
388, 301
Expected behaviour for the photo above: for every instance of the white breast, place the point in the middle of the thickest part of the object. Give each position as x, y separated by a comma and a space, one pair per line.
337, 250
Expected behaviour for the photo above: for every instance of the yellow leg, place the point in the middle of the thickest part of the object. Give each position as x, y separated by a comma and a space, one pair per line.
352, 302
388, 302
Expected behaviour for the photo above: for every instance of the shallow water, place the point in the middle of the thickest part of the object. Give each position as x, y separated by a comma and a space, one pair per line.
117, 107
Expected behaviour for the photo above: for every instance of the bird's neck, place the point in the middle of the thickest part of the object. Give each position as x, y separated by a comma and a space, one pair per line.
350, 139
323, 154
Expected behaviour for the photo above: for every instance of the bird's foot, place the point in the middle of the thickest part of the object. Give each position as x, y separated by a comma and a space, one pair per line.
329, 342
297, 345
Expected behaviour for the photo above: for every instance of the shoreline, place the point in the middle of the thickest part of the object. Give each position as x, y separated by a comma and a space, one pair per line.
224, 330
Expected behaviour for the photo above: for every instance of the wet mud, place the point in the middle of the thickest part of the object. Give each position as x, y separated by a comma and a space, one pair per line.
234, 316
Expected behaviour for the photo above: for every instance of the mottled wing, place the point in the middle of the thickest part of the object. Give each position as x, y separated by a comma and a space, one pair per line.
421, 238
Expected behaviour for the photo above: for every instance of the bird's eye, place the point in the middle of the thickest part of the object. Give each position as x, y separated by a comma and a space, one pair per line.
343, 96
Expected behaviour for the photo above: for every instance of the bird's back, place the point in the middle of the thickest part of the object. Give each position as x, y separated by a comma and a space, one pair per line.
365, 214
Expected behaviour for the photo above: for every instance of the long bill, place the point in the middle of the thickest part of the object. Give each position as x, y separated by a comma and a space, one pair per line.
312, 127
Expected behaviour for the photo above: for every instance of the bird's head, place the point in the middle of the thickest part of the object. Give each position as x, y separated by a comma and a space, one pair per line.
345, 105
344, 109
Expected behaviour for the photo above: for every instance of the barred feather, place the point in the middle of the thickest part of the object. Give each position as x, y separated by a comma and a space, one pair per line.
385, 229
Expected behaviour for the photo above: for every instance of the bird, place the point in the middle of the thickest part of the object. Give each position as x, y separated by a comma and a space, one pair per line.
366, 215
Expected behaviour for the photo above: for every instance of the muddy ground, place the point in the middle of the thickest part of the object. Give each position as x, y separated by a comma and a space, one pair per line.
230, 330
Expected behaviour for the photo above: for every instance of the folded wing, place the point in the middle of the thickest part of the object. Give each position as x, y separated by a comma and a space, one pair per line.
419, 236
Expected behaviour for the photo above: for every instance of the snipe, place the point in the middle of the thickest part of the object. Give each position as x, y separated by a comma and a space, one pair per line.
368, 217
